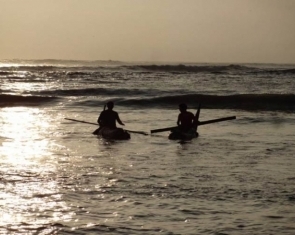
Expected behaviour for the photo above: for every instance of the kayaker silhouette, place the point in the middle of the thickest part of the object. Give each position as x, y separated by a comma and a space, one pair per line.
186, 125
107, 124
186, 119
109, 117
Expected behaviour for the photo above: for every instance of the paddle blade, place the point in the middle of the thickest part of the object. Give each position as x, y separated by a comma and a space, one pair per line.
198, 113
197, 117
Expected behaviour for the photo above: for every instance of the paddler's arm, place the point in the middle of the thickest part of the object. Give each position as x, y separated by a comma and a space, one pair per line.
178, 120
119, 120
99, 120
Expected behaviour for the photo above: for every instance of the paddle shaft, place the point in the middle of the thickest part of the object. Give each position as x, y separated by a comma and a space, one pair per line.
136, 132
81, 121
217, 120
199, 124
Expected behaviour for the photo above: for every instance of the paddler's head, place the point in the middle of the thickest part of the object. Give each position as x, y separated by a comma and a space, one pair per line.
110, 105
182, 107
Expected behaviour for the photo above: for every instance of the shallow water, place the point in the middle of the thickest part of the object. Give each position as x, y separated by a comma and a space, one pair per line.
56, 177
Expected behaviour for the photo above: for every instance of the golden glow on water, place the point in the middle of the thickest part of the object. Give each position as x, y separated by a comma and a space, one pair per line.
19, 86
29, 190
4, 65
21, 133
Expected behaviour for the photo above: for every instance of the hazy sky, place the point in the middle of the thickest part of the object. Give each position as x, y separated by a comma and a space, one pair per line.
149, 30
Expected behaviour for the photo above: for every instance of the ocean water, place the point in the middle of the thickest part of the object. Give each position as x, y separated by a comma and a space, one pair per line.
56, 177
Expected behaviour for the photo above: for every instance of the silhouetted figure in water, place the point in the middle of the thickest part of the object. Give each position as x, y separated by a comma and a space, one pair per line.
186, 120
109, 117
107, 124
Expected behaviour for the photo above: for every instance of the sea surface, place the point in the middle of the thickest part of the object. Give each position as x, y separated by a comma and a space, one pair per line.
237, 177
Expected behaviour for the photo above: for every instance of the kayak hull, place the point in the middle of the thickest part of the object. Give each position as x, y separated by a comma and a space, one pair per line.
111, 133
180, 135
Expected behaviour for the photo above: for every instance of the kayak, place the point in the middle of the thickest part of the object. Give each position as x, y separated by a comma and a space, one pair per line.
112, 133
177, 134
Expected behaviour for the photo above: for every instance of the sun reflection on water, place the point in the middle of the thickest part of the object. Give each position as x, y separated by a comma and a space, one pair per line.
29, 189
22, 134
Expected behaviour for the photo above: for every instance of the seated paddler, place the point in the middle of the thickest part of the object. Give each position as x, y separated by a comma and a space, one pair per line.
186, 119
109, 117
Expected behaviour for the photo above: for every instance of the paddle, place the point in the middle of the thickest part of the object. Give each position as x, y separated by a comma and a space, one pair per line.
197, 116
136, 132
198, 124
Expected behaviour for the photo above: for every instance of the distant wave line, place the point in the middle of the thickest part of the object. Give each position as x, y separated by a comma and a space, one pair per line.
267, 102
97, 92
13, 100
88, 69
212, 68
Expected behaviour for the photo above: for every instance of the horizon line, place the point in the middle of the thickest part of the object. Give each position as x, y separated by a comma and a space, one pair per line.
139, 61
